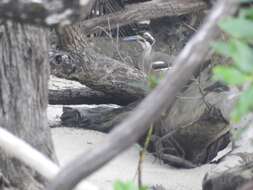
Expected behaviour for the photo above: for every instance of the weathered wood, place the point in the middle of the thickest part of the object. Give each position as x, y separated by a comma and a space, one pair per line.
46, 13
143, 11
95, 70
23, 98
102, 118
84, 95
66, 92
150, 109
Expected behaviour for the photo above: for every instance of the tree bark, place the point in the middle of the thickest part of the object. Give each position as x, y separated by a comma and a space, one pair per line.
143, 11
23, 98
84, 95
95, 70
46, 13
100, 118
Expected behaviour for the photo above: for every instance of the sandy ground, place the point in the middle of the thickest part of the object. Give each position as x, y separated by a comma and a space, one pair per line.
70, 142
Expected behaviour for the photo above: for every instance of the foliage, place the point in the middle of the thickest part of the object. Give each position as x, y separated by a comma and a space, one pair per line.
154, 79
119, 185
239, 48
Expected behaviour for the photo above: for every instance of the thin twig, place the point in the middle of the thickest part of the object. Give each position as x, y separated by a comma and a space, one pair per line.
141, 157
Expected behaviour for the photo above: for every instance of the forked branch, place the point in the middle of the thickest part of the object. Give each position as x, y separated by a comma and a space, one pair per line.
31, 157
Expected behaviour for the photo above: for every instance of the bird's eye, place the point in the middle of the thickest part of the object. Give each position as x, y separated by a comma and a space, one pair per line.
58, 59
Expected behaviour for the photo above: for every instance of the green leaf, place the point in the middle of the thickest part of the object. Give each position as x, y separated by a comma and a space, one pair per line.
246, 13
144, 188
239, 51
222, 48
244, 105
242, 55
119, 185
237, 27
153, 80
230, 75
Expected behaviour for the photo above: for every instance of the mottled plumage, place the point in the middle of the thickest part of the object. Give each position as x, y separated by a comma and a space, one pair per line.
150, 61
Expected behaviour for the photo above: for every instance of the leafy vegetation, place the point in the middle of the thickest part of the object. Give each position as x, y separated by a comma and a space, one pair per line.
239, 48
119, 185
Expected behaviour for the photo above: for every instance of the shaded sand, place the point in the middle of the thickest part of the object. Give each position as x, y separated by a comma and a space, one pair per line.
71, 142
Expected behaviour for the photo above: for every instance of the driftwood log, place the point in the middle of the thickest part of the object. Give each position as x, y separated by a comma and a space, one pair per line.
143, 11
97, 71
101, 118
84, 95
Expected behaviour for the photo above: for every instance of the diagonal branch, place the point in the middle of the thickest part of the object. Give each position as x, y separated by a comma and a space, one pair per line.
30, 156
127, 133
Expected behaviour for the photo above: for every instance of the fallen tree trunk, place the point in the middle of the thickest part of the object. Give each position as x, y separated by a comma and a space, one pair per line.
84, 95
97, 71
143, 11
102, 118
66, 92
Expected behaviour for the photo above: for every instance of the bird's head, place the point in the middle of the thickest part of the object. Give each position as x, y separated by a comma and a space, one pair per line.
145, 39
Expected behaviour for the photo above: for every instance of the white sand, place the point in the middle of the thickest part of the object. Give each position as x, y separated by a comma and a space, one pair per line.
71, 142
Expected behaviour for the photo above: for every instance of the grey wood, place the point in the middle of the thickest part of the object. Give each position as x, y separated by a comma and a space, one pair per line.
23, 98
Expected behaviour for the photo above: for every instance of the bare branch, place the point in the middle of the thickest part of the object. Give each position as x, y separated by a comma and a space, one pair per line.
127, 133
45, 12
143, 11
248, 186
30, 156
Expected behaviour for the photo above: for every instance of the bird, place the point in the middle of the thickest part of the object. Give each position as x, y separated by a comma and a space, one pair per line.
150, 61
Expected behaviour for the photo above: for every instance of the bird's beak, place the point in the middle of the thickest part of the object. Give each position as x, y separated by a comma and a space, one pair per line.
130, 38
